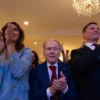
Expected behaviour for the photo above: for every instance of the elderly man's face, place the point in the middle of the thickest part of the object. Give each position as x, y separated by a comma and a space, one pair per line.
51, 51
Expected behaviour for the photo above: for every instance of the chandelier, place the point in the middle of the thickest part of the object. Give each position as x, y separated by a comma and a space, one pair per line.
86, 7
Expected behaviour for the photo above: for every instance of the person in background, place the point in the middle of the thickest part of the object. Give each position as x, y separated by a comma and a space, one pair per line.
2, 51
85, 64
35, 62
52, 80
64, 56
67, 52
14, 71
35, 59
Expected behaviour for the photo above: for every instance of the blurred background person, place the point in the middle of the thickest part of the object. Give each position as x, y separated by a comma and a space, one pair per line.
35, 59
35, 62
63, 54
2, 51
67, 54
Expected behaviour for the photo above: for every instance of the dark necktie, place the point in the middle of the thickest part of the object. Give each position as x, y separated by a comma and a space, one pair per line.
53, 69
95, 45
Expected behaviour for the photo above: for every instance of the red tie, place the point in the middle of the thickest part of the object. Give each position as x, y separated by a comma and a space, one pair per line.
53, 69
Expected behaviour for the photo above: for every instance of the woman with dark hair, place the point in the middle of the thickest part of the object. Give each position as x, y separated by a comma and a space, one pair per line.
35, 58
15, 27
35, 62
14, 70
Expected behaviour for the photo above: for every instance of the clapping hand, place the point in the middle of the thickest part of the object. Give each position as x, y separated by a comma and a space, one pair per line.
9, 33
61, 83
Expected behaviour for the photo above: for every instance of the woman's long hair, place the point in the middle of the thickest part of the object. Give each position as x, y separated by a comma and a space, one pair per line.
19, 43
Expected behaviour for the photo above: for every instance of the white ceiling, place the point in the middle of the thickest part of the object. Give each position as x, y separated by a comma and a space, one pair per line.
47, 19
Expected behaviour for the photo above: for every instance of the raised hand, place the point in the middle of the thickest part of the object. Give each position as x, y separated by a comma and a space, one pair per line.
9, 33
9, 36
63, 81
61, 48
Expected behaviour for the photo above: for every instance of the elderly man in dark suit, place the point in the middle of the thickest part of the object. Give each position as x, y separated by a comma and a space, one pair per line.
52, 79
85, 63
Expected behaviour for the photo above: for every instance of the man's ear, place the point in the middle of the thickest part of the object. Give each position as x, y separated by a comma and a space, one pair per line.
83, 34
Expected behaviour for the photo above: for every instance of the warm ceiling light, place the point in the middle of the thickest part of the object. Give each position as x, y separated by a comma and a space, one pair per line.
26, 23
86, 7
35, 42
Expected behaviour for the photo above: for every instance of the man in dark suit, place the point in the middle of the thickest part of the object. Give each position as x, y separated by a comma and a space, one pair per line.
61, 87
85, 63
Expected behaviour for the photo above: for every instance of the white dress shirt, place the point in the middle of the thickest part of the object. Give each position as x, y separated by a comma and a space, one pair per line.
90, 45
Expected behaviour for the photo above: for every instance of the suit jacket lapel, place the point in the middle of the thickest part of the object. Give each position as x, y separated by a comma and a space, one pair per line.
45, 75
62, 68
59, 69
87, 49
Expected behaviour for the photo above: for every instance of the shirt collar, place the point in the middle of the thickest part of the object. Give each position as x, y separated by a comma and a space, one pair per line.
88, 44
56, 64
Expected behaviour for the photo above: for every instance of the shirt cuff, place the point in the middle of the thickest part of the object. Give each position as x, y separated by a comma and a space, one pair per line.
65, 90
49, 94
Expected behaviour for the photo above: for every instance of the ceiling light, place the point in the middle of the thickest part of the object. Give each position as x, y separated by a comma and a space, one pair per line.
26, 23
86, 7
35, 42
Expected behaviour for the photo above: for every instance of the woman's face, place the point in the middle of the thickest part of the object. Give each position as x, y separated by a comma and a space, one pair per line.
11, 33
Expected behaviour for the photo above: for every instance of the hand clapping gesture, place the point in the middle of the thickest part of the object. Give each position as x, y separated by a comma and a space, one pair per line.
9, 34
59, 84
